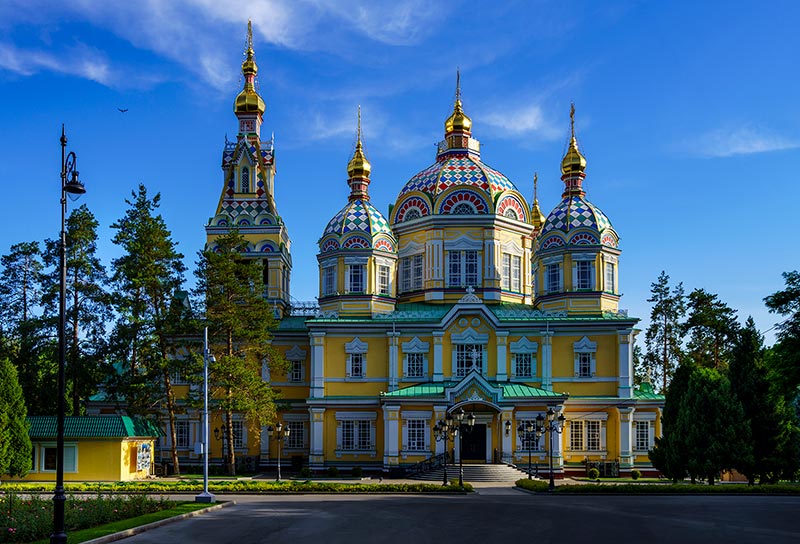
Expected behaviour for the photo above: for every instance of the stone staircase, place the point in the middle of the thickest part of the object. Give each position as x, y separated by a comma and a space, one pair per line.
475, 473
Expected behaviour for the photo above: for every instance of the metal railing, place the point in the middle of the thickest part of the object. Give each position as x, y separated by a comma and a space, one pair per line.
431, 463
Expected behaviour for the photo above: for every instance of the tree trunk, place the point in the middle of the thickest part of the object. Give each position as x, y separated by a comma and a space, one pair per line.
171, 417
231, 460
665, 364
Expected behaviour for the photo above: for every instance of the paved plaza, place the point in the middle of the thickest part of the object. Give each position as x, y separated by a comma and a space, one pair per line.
492, 515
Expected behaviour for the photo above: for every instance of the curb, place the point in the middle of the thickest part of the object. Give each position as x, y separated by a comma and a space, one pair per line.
142, 528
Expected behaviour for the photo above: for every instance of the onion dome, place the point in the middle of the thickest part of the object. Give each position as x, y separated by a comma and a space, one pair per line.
537, 217
358, 216
249, 100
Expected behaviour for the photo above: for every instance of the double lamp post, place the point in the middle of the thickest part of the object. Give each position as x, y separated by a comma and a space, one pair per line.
535, 430
448, 429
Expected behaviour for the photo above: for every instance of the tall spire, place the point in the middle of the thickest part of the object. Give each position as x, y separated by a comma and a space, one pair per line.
249, 100
536, 214
359, 168
573, 165
458, 120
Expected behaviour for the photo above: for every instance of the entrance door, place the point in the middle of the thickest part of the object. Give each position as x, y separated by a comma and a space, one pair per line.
473, 444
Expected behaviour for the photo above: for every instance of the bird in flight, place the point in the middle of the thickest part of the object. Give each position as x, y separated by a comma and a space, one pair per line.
122, 111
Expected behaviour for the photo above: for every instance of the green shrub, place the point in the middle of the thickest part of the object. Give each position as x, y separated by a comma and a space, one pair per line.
636, 474
357, 472
333, 471
533, 485
593, 474
305, 472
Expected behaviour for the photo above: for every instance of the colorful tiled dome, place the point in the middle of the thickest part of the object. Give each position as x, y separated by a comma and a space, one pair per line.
575, 212
453, 170
359, 217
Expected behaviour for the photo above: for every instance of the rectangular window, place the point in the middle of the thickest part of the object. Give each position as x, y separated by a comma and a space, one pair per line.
512, 272
238, 435
328, 280
642, 435
364, 435
356, 278
463, 269
584, 365
383, 280
506, 279
466, 356
528, 441
583, 272
524, 364
50, 455
411, 273
296, 371
576, 435
348, 435
356, 435
296, 438
610, 278
415, 429
356, 365
182, 434
552, 278
593, 435
415, 365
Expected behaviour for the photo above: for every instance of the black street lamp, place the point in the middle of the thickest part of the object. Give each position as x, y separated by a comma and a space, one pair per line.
524, 431
552, 425
463, 429
445, 431
69, 184
279, 433
221, 432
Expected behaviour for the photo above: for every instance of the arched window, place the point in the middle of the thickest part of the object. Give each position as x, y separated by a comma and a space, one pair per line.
412, 213
510, 213
245, 180
463, 208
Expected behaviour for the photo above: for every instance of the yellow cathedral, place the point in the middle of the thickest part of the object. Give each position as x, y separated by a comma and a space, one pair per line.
462, 296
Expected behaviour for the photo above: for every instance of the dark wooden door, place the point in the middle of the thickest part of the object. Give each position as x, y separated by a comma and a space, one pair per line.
473, 445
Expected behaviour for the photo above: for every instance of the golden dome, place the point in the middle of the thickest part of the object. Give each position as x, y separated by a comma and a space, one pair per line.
359, 166
573, 162
248, 100
458, 121
537, 216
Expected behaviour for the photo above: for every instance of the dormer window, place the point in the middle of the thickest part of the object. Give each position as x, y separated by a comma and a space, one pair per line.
245, 180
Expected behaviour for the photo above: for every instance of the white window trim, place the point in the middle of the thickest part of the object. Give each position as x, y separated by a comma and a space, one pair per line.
41, 457
415, 345
523, 345
426, 434
368, 417
462, 259
358, 347
578, 417
584, 345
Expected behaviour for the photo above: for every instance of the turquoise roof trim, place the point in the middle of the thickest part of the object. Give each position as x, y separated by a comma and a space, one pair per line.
94, 427
520, 390
645, 392
510, 390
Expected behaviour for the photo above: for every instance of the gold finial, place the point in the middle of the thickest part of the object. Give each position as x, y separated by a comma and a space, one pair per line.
359, 166
536, 214
249, 100
458, 120
573, 162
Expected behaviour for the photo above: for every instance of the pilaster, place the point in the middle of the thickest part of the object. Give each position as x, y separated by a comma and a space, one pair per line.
625, 386
393, 360
317, 365
547, 361
508, 438
502, 349
438, 363
391, 434
625, 437
316, 446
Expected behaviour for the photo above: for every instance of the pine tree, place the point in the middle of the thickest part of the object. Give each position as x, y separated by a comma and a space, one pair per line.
786, 362
15, 444
147, 277
712, 329
87, 304
240, 321
669, 453
663, 336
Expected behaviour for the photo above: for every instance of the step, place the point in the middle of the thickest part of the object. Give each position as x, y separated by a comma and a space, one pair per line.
475, 473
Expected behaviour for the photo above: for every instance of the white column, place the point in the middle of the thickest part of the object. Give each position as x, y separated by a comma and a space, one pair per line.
439, 415
625, 435
438, 376
547, 361
508, 439
391, 433
316, 442
502, 364
625, 385
317, 365
393, 361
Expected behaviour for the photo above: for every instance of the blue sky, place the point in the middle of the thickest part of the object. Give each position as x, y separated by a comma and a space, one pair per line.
687, 113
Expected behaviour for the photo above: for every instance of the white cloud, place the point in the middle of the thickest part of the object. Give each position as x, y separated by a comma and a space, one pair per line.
745, 140
528, 119
80, 60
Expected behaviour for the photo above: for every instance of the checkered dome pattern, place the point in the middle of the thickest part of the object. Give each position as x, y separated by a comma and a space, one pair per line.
358, 216
251, 208
458, 170
581, 214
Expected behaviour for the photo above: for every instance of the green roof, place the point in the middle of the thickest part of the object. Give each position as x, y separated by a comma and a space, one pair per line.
520, 390
94, 427
645, 392
421, 390
510, 390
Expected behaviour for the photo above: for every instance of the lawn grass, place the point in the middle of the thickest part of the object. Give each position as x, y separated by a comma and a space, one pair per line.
110, 528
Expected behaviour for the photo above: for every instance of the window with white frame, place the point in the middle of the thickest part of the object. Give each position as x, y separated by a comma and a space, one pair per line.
415, 432
383, 280
329, 280
356, 435
586, 435
297, 435
642, 433
610, 287
296, 371
181, 434
585, 362
463, 268
552, 278
356, 364
238, 434
415, 365
411, 273
583, 275
356, 278
523, 364
49, 457
527, 440
468, 355
512, 272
